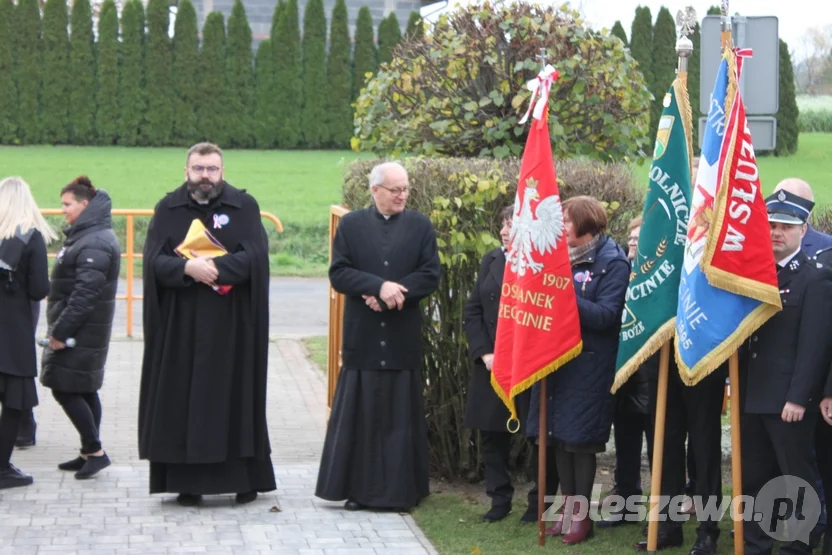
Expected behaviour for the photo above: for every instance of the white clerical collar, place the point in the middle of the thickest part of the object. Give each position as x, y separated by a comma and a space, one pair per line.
788, 259
387, 216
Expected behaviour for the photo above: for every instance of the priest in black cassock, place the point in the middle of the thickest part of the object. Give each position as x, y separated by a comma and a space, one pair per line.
202, 405
384, 261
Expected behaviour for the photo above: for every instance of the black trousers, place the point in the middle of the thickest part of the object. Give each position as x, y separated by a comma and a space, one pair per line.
823, 451
84, 411
693, 416
496, 451
629, 428
9, 422
773, 448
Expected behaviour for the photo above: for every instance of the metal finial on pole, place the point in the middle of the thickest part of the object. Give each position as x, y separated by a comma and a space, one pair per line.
542, 57
726, 24
686, 24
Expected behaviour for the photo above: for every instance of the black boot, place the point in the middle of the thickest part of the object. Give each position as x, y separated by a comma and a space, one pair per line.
497, 513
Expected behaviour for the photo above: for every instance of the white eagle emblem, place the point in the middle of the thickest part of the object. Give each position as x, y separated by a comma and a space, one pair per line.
530, 232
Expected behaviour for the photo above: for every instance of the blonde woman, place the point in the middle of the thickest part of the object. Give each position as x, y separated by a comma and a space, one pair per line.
24, 279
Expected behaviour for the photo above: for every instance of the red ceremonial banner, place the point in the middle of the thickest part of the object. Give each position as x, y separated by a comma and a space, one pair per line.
538, 329
740, 260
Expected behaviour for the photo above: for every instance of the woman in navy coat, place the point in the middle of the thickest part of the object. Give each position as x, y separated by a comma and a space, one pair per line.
580, 405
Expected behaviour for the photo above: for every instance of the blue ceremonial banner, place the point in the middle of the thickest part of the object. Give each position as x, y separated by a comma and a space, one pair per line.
719, 309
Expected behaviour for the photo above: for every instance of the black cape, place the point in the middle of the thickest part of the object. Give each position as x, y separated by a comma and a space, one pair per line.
202, 406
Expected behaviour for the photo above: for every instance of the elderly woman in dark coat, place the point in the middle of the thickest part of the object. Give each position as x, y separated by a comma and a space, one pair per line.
580, 406
24, 279
81, 307
484, 411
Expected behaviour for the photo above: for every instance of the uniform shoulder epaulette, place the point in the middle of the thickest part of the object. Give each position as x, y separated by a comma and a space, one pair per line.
821, 251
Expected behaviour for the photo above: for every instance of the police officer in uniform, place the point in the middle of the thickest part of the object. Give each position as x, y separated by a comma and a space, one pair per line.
783, 373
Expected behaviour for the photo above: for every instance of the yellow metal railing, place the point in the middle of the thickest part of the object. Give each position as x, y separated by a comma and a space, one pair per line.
131, 256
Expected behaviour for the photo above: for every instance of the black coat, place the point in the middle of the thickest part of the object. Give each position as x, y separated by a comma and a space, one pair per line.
580, 404
483, 408
19, 290
787, 360
367, 251
81, 301
204, 372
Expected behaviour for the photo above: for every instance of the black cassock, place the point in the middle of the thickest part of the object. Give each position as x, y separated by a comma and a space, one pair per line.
376, 449
202, 406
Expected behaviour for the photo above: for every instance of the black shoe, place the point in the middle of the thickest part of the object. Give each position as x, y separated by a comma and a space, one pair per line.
75, 464
497, 513
14, 478
248, 497
530, 516
616, 518
92, 466
674, 539
705, 545
353, 505
188, 499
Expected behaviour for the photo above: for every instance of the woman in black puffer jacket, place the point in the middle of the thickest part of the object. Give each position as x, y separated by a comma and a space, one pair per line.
80, 307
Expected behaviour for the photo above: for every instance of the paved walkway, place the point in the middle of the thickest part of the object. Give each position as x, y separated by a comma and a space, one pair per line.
114, 513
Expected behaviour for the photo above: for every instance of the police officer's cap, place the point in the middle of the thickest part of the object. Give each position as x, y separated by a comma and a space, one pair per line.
787, 208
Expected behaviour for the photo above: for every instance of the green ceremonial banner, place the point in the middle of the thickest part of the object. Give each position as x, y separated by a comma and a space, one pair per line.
649, 314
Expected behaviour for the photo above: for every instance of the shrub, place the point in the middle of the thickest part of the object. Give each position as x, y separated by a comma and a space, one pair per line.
82, 72
462, 90
463, 198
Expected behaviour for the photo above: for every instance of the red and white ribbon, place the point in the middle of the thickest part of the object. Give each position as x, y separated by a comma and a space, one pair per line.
540, 88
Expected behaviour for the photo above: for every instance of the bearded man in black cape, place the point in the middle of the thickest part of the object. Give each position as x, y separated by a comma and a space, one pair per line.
202, 406
384, 260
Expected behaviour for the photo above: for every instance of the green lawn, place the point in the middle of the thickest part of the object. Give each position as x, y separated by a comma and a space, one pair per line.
452, 521
317, 347
296, 186
812, 163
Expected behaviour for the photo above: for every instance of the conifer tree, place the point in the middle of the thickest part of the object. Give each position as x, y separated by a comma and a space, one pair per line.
8, 100
693, 85
212, 116
131, 93
788, 127
289, 80
389, 35
240, 71
415, 26
339, 78
664, 64
366, 61
55, 106
315, 85
618, 31
641, 43
82, 72
185, 65
106, 92
159, 119
28, 48
265, 123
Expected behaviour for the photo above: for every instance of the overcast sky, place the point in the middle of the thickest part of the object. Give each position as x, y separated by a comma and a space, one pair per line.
794, 16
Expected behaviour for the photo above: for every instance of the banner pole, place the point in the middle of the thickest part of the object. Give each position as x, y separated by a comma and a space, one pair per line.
736, 453
658, 449
542, 437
